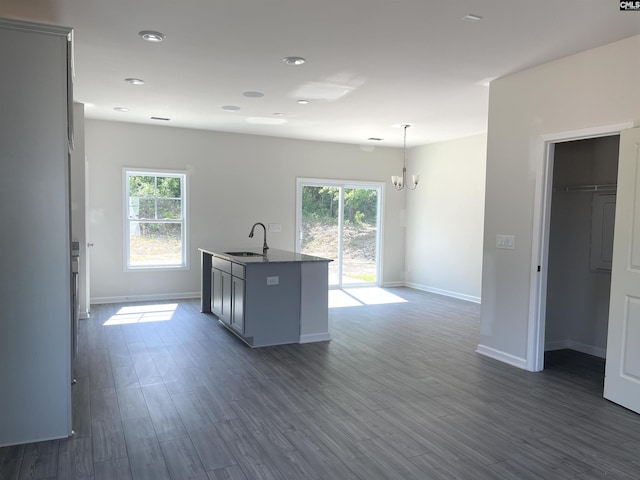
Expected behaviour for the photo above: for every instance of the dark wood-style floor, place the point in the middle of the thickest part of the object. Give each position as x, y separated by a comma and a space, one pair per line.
398, 394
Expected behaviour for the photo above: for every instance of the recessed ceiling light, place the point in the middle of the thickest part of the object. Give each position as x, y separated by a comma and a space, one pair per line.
231, 108
278, 114
160, 118
295, 61
375, 139
134, 81
253, 94
152, 36
121, 109
472, 18
303, 102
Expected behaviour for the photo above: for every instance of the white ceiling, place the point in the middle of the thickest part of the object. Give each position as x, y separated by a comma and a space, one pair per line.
371, 64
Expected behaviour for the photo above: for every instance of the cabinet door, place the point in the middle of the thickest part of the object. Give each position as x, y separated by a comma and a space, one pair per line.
237, 315
225, 310
216, 291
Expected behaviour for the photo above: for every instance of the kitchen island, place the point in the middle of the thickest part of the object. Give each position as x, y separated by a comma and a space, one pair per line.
270, 297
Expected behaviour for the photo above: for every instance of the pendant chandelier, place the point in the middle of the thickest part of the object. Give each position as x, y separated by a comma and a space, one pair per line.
400, 183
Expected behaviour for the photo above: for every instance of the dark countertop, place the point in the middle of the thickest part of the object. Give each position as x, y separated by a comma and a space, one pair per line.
273, 256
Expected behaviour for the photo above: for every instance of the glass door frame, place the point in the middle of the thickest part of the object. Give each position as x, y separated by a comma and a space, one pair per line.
342, 185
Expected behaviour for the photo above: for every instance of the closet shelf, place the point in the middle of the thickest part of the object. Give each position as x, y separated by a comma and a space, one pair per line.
587, 188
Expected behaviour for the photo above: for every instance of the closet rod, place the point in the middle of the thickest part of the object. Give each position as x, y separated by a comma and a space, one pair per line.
588, 188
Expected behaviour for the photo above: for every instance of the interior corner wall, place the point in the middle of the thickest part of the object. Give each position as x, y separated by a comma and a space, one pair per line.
234, 181
589, 89
445, 217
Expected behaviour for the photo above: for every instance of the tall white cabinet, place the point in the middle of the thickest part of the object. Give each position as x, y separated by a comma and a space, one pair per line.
35, 264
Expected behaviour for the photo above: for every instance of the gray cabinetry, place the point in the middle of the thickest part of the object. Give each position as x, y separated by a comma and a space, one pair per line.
227, 292
227, 298
217, 289
258, 302
271, 298
35, 336
237, 308
237, 297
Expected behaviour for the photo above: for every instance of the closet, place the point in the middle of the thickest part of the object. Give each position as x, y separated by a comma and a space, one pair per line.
581, 244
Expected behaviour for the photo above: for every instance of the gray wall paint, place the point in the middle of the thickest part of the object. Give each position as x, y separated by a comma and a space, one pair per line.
235, 180
581, 91
577, 297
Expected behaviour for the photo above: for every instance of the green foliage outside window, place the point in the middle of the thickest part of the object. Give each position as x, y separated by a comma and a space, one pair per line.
156, 223
155, 198
322, 204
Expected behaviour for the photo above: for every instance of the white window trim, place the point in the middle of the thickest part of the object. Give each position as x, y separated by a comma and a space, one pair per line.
126, 171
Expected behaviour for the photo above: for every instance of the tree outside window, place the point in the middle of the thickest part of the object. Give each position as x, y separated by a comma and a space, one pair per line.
156, 220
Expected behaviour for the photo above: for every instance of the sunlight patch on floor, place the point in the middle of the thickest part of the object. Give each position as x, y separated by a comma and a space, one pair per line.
339, 298
143, 314
357, 297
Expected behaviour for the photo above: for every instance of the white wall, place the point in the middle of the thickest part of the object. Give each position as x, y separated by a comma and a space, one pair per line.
593, 88
445, 217
78, 207
235, 180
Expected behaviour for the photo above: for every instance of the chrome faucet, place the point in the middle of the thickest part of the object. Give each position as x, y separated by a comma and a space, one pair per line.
265, 247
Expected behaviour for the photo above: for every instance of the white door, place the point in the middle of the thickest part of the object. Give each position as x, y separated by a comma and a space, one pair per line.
622, 375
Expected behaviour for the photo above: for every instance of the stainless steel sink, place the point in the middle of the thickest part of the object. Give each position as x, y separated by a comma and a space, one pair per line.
244, 254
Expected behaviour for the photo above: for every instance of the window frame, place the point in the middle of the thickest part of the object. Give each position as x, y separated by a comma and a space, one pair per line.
127, 172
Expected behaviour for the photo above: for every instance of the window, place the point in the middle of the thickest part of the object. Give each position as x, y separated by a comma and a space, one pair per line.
155, 219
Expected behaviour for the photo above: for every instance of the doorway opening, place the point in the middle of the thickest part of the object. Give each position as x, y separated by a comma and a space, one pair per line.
540, 241
580, 248
341, 220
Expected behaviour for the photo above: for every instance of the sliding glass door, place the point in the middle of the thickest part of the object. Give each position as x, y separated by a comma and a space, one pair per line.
341, 221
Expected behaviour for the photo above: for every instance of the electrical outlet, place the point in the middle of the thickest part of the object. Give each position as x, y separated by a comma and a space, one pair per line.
506, 241
275, 227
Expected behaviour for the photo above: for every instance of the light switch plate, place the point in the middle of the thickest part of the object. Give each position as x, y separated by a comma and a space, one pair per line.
275, 227
506, 241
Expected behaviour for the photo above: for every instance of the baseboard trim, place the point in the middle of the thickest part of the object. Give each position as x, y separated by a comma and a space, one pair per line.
588, 349
577, 346
446, 293
393, 284
556, 345
315, 337
502, 356
145, 298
